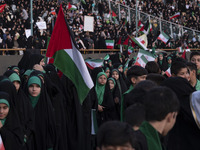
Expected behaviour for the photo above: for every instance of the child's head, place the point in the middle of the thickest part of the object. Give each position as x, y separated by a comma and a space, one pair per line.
195, 58
115, 74
101, 78
135, 115
193, 69
152, 67
34, 86
112, 83
179, 69
161, 105
136, 74
4, 105
169, 60
115, 135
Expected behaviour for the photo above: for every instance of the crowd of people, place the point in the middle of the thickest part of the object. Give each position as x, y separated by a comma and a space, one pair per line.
15, 20
129, 107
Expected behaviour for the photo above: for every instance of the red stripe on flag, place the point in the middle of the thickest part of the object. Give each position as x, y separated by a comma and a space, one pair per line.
60, 27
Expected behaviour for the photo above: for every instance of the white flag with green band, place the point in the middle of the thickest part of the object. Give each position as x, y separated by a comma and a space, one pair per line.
163, 37
143, 57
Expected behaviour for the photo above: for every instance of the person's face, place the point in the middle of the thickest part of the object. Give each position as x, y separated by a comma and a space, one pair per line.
140, 78
171, 119
102, 80
126, 146
183, 73
16, 84
42, 62
4, 109
169, 61
111, 84
107, 73
196, 59
34, 90
120, 69
17, 71
115, 75
160, 57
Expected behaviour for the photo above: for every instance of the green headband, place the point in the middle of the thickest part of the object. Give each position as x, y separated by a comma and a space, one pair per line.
34, 80
28, 72
100, 74
15, 68
109, 60
14, 77
107, 69
4, 101
115, 70
112, 80
169, 58
120, 66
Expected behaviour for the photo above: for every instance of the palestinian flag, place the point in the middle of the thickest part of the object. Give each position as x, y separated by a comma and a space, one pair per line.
175, 15
2, 7
141, 41
119, 41
93, 63
67, 58
163, 37
113, 14
110, 44
83, 1
126, 41
184, 54
143, 57
125, 22
168, 72
71, 7
130, 50
1, 144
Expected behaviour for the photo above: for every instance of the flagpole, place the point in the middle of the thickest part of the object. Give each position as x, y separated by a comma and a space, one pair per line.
31, 9
136, 7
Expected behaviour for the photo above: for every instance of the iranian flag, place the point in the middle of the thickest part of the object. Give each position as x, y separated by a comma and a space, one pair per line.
130, 50
180, 49
110, 44
141, 41
71, 7
175, 15
2, 7
168, 72
163, 37
143, 57
93, 63
1, 144
67, 58
141, 26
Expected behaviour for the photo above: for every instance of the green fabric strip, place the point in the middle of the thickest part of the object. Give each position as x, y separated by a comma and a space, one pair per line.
122, 103
14, 77
151, 135
72, 72
4, 101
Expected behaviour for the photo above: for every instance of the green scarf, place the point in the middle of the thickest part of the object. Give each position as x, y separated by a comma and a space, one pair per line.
14, 77
151, 135
122, 102
3, 121
100, 89
113, 82
34, 100
4, 101
34, 80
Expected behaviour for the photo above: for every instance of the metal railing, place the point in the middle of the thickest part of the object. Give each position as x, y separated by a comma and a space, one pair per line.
89, 51
172, 29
